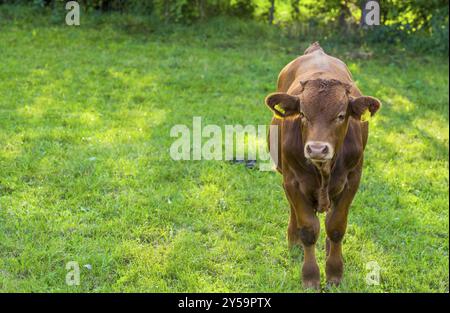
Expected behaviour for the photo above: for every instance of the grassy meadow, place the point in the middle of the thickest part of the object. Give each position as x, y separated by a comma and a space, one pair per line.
86, 175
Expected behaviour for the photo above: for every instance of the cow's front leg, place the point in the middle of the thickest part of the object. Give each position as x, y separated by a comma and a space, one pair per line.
307, 228
336, 225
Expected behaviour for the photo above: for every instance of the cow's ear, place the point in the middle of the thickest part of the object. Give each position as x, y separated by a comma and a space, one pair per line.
282, 104
360, 105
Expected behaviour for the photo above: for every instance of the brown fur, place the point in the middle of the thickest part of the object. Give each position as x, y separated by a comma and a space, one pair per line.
315, 91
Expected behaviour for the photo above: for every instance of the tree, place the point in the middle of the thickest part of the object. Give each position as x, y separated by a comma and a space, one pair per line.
344, 13
271, 11
295, 5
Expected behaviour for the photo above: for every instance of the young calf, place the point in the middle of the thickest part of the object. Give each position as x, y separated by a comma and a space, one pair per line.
321, 141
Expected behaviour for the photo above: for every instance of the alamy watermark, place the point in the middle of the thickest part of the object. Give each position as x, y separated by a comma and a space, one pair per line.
73, 273
73, 277
233, 142
73, 16
370, 13
373, 276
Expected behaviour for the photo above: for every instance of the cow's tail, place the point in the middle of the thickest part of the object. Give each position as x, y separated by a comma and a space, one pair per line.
313, 47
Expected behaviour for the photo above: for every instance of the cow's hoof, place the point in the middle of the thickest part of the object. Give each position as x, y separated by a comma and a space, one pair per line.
311, 284
334, 269
333, 281
311, 276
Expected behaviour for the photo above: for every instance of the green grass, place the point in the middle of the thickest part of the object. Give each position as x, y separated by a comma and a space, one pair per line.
86, 175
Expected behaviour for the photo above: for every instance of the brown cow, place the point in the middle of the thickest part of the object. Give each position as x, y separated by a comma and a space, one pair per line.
321, 141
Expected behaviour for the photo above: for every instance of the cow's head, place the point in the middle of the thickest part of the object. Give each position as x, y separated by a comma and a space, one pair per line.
324, 107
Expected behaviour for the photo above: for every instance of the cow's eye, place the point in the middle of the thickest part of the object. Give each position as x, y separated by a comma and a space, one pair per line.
340, 117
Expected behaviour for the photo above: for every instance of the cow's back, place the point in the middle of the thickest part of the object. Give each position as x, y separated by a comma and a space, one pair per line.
314, 64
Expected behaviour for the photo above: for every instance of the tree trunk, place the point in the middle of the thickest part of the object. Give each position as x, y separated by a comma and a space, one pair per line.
362, 4
166, 10
271, 11
345, 12
201, 8
295, 9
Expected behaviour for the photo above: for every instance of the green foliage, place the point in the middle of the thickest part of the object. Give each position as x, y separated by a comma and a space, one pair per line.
418, 25
188, 11
86, 174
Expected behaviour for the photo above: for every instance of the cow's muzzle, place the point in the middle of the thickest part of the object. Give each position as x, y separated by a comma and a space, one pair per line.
318, 151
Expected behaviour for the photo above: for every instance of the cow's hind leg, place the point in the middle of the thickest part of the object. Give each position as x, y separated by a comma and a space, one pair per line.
292, 233
307, 230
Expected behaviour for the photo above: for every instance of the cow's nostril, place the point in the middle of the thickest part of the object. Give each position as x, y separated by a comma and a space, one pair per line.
318, 150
